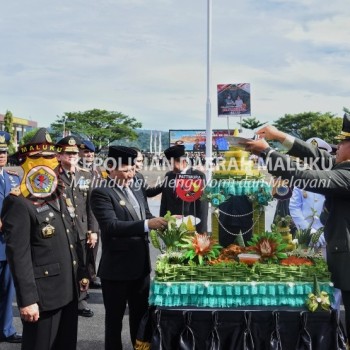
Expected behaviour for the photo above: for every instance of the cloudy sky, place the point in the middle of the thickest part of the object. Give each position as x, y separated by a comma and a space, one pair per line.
148, 58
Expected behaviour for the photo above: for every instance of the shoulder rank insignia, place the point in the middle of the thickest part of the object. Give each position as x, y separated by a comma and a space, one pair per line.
16, 191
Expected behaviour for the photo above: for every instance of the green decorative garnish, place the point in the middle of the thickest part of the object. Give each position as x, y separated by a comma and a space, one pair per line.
200, 248
269, 245
170, 238
318, 300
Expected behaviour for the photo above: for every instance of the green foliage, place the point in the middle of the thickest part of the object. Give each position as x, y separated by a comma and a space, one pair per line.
310, 124
143, 140
307, 239
8, 123
318, 300
8, 127
171, 237
28, 136
251, 123
200, 248
100, 126
270, 246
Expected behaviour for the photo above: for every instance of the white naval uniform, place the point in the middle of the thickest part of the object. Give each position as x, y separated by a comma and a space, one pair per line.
305, 208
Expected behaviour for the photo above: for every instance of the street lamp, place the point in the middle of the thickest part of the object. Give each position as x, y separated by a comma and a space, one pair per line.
64, 126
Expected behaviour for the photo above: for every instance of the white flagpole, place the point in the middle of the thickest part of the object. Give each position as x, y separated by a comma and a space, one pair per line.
209, 130
155, 142
160, 142
150, 143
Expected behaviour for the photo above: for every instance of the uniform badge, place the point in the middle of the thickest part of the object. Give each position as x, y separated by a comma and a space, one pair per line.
48, 137
122, 203
83, 184
70, 207
48, 231
41, 181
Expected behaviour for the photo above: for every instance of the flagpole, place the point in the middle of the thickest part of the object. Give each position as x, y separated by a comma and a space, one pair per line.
209, 131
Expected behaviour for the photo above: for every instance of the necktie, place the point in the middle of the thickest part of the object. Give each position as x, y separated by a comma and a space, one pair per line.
71, 176
132, 200
2, 183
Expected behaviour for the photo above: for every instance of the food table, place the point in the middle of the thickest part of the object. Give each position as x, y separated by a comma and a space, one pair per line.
245, 328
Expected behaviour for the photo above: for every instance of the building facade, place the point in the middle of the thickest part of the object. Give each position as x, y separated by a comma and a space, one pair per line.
20, 126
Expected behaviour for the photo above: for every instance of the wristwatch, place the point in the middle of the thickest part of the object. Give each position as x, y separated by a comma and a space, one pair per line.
263, 154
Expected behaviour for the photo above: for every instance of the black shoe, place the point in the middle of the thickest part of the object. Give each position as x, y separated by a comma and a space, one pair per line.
86, 312
95, 285
14, 338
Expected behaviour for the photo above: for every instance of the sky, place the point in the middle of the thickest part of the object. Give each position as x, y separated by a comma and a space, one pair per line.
148, 58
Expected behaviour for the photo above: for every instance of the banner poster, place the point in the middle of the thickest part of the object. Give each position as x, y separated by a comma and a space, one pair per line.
233, 99
195, 140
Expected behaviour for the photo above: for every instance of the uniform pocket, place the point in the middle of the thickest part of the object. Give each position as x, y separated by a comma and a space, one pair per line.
339, 246
47, 270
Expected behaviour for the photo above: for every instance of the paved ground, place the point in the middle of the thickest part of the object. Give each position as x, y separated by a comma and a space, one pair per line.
91, 330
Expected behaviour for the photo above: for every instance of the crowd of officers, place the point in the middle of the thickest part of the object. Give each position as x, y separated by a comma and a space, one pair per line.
54, 216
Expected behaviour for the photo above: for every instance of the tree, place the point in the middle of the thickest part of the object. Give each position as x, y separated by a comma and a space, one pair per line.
28, 136
251, 123
100, 126
8, 127
310, 124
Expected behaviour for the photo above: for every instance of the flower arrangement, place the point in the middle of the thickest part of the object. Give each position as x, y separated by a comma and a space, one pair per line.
200, 248
269, 245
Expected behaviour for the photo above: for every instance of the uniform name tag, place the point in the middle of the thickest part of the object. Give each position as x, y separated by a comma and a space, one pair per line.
43, 208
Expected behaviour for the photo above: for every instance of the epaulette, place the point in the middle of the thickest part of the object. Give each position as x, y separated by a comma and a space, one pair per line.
84, 169
12, 172
104, 174
16, 191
